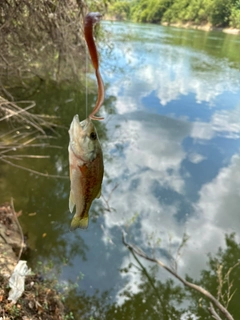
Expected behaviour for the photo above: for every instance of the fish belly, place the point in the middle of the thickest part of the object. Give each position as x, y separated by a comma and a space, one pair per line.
86, 181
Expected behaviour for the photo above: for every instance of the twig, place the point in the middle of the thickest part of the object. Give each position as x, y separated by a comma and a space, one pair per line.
149, 278
20, 146
20, 230
13, 113
185, 282
109, 198
34, 171
213, 312
19, 156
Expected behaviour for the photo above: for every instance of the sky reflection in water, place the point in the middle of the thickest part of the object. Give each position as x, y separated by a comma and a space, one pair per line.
172, 162
174, 144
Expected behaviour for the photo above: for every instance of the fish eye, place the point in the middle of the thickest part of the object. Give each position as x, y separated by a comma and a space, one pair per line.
93, 136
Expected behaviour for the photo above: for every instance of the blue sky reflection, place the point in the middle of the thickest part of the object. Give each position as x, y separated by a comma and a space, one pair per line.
174, 144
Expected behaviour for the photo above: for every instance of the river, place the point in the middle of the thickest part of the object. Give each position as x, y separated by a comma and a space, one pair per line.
171, 141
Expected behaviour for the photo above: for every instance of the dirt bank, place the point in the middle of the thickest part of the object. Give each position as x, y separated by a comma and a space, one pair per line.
39, 301
204, 27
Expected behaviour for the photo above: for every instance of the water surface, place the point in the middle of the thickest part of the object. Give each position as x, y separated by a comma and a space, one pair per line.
171, 139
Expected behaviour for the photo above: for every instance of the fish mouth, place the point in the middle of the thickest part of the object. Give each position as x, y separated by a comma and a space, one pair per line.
84, 124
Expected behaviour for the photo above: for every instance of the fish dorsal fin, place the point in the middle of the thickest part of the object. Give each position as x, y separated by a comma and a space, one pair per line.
78, 222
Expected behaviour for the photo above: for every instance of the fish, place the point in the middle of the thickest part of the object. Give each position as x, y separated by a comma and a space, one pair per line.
86, 169
85, 152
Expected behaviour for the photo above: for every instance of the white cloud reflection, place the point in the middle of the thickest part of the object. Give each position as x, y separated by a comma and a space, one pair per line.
223, 123
152, 154
219, 200
171, 74
147, 156
216, 213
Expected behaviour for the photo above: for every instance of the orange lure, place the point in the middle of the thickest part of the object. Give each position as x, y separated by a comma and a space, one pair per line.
85, 153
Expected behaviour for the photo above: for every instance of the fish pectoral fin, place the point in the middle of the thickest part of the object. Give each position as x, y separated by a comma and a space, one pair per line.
71, 202
78, 222
99, 193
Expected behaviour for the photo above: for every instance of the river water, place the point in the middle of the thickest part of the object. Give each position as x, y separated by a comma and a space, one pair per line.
171, 141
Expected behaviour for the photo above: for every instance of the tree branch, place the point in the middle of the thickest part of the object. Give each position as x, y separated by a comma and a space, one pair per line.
193, 286
213, 312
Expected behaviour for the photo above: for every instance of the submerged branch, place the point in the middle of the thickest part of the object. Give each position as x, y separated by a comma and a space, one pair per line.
193, 286
20, 230
34, 171
10, 109
30, 134
19, 156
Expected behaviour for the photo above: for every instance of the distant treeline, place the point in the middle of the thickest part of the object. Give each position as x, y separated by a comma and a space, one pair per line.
218, 13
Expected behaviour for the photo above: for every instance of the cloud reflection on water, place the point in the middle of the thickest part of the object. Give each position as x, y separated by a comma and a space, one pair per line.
151, 159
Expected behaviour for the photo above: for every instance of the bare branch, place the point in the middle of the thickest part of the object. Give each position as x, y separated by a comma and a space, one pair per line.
213, 312
34, 171
40, 39
108, 208
20, 156
193, 286
20, 230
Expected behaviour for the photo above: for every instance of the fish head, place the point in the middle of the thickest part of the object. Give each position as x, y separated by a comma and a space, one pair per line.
84, 139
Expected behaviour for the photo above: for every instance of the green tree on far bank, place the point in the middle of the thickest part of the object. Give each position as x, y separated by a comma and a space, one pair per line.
235, 15
120, 10
218, 13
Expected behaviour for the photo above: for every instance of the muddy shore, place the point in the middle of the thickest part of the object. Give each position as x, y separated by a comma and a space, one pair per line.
39, 300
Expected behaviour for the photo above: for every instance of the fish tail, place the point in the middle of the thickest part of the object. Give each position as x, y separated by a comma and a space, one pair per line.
79, 222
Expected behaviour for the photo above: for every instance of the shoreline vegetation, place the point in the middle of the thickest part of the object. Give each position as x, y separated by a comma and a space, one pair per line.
206, 15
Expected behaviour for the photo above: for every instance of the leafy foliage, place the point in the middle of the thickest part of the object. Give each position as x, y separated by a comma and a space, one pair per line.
120, 9
216, 12
221, 279
235, 16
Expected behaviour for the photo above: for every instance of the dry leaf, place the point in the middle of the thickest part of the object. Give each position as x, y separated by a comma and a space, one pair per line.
44, 235
39, 307
19, 213
32, 214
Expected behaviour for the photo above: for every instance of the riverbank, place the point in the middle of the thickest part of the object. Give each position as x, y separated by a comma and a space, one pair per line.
39, 300
188, 25
204, 27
